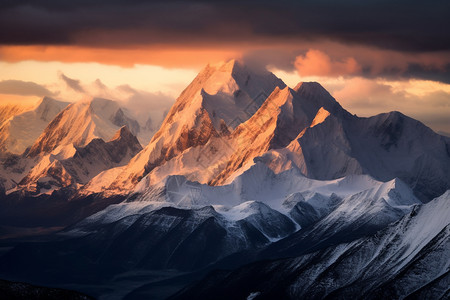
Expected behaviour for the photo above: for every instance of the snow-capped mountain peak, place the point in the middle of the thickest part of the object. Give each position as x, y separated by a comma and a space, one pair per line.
219, 99
70, 165
48, 108
19, 131
213, 135
243, 168
233, 92
81, 122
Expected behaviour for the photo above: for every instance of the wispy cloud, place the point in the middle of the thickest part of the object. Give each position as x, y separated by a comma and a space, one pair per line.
145, 105
73, 84
24, 88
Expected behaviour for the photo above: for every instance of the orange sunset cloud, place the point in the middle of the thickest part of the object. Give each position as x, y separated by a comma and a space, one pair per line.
125, 57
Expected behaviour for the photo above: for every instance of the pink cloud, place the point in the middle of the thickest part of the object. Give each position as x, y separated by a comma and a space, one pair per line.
369, 97
317, 63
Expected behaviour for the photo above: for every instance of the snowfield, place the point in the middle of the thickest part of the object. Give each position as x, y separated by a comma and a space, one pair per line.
279, 192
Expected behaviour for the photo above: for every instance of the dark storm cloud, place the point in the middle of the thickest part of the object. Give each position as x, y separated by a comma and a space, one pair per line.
23, 88
436, 74
74, 84
412, 71
401, 25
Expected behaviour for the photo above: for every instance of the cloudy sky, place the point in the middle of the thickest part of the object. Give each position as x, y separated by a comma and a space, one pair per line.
373, 56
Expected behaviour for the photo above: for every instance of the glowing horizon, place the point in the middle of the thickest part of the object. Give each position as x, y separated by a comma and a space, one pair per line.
158, 48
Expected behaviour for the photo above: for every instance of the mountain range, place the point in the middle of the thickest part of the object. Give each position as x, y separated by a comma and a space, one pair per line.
250, 189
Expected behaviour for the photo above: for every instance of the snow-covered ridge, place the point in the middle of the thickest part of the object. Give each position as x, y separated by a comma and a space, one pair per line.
398, 256
70, 166
226, 154
242, 168
20, 130
259, 208
221, 125
218, 99
408, 259
259, 184
61, 138
10, 110
283, 116
80, 123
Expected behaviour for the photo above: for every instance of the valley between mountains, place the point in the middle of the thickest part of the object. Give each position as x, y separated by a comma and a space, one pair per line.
249, 189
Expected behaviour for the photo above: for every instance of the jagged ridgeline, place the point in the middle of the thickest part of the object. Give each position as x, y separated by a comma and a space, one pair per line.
243, 169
